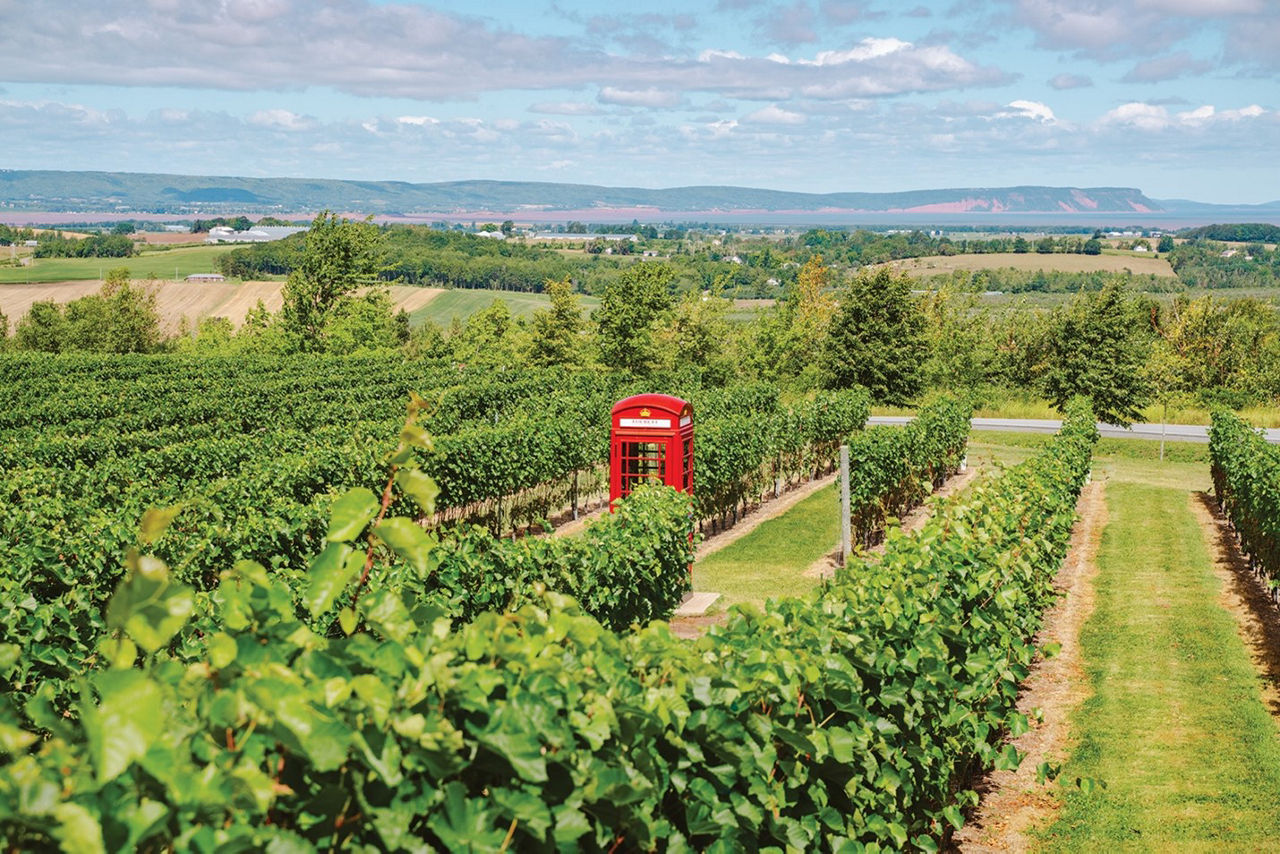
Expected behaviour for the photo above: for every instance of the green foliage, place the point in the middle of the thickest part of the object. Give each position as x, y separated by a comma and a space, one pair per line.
338, 256
1096, 348
892, 469
558, 333
43, 328
1246, 482
629, 567
120, 318
629, 311
852, 718
1240, 232
57, 245
877, 338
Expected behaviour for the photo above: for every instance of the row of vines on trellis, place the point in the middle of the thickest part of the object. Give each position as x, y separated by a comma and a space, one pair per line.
244, 718
1246, 482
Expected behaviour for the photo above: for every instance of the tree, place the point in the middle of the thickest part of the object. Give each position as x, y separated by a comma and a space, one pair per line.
808, 315
1093, 246
1097, 347
490, 338
1020, 245
700, 335
630, 309
44, 328
338, 256
365, 323
558, 331
877, 338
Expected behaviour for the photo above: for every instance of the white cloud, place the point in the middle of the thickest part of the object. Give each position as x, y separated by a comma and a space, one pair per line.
1070, 81
774, 115
417, 120
403, 50
1154, 117
1031, 110
281, 120
565, 108
650, 97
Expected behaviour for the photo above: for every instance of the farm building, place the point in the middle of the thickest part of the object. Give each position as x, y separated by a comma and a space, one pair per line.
257, 234
206, 277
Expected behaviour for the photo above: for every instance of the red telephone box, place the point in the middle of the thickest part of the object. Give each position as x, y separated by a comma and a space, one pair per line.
651, 440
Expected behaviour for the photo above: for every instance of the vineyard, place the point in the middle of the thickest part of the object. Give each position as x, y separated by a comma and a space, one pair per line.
1246, 482
256, 603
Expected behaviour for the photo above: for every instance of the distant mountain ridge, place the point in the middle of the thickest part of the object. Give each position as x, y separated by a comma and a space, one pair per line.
119, 192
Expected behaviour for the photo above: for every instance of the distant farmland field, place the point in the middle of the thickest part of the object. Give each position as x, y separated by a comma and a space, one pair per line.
464, 302
934, 265
193, 300
148, 265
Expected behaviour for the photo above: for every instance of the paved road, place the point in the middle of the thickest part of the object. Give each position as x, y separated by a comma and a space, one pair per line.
1172, 432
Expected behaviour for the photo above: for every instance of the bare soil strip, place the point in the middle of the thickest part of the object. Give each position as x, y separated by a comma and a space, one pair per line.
1245, 597
1013, 803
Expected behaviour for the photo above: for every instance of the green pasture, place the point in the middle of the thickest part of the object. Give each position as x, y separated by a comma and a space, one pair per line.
151, 264
464, 302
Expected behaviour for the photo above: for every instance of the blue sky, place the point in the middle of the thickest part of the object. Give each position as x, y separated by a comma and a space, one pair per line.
1176, 97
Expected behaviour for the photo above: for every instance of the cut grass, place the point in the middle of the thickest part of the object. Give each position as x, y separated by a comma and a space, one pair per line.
1176, 727
1185, 465
1038, 408
770, 562
156, 264
932, 265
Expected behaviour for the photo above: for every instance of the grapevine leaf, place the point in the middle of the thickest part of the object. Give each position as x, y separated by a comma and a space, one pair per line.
420, 487
78, 831
331, 571
155, 521
406, 539
147, 605
354, 509
124, 723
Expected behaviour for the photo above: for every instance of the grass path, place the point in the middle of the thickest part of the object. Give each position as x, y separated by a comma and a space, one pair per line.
1176, 726
771, 560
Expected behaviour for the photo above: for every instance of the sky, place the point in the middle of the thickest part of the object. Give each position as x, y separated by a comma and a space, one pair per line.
1179, 98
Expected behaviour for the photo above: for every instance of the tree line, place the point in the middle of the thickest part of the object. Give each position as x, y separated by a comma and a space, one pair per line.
832, 328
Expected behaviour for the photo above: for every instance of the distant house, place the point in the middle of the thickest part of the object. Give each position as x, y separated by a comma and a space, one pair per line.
1228, 253
206, 277
1141, 247
496, 235
31, 243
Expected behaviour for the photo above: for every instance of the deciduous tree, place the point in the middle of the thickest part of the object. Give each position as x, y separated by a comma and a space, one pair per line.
1097, 347
339, 255
877, 338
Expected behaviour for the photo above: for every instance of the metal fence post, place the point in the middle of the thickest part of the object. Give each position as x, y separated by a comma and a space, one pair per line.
846, 531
